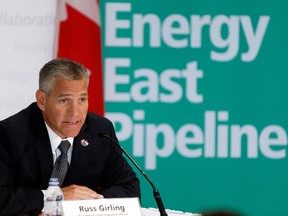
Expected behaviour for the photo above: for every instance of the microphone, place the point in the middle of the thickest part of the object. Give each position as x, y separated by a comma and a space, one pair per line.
156, 193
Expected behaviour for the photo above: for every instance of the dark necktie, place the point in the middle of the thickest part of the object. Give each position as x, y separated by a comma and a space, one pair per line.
61, 164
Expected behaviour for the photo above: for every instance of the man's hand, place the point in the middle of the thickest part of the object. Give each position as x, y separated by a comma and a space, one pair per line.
76, 192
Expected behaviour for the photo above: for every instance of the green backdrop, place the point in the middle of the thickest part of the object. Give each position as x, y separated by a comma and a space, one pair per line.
197, 92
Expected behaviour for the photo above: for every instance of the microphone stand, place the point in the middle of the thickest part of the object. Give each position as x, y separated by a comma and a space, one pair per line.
156, 193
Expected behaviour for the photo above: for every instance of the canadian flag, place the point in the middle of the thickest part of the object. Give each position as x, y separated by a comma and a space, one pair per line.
78, 38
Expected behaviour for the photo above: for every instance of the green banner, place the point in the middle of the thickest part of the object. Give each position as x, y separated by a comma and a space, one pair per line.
197, 93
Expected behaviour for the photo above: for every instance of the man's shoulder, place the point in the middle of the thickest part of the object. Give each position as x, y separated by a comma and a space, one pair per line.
93, 118
24, 116
97, 123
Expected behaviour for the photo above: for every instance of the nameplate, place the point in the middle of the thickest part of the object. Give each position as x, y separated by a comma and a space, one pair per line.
102, 207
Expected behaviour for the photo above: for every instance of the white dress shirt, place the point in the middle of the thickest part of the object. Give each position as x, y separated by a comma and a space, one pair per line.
55, 140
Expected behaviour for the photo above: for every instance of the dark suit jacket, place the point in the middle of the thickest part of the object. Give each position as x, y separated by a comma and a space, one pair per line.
26, 162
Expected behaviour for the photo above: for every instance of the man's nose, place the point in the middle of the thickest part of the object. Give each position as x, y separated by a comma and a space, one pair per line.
74, 109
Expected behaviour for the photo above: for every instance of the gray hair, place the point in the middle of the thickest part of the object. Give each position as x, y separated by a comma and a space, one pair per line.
60, 67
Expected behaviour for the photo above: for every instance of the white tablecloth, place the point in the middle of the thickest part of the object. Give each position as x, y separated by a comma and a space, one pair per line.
155, 212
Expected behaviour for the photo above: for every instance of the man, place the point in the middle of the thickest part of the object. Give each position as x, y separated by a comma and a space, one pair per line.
29, 141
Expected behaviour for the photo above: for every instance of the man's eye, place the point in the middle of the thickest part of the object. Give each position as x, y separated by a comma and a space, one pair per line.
63, 101
83, 100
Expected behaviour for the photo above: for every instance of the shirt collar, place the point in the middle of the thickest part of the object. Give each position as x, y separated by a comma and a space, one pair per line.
55, 140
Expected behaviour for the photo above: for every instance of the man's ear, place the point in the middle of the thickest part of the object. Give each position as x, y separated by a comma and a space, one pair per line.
40, 99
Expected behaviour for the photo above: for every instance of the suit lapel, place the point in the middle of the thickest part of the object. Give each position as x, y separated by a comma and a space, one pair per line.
79, 160
45, 157
42, 146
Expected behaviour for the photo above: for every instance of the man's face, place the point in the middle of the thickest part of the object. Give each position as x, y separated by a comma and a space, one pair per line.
65, 109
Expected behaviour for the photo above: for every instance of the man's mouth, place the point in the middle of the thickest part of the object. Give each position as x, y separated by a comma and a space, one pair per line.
71, 122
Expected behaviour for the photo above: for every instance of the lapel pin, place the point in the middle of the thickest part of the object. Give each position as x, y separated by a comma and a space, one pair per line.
84, 143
